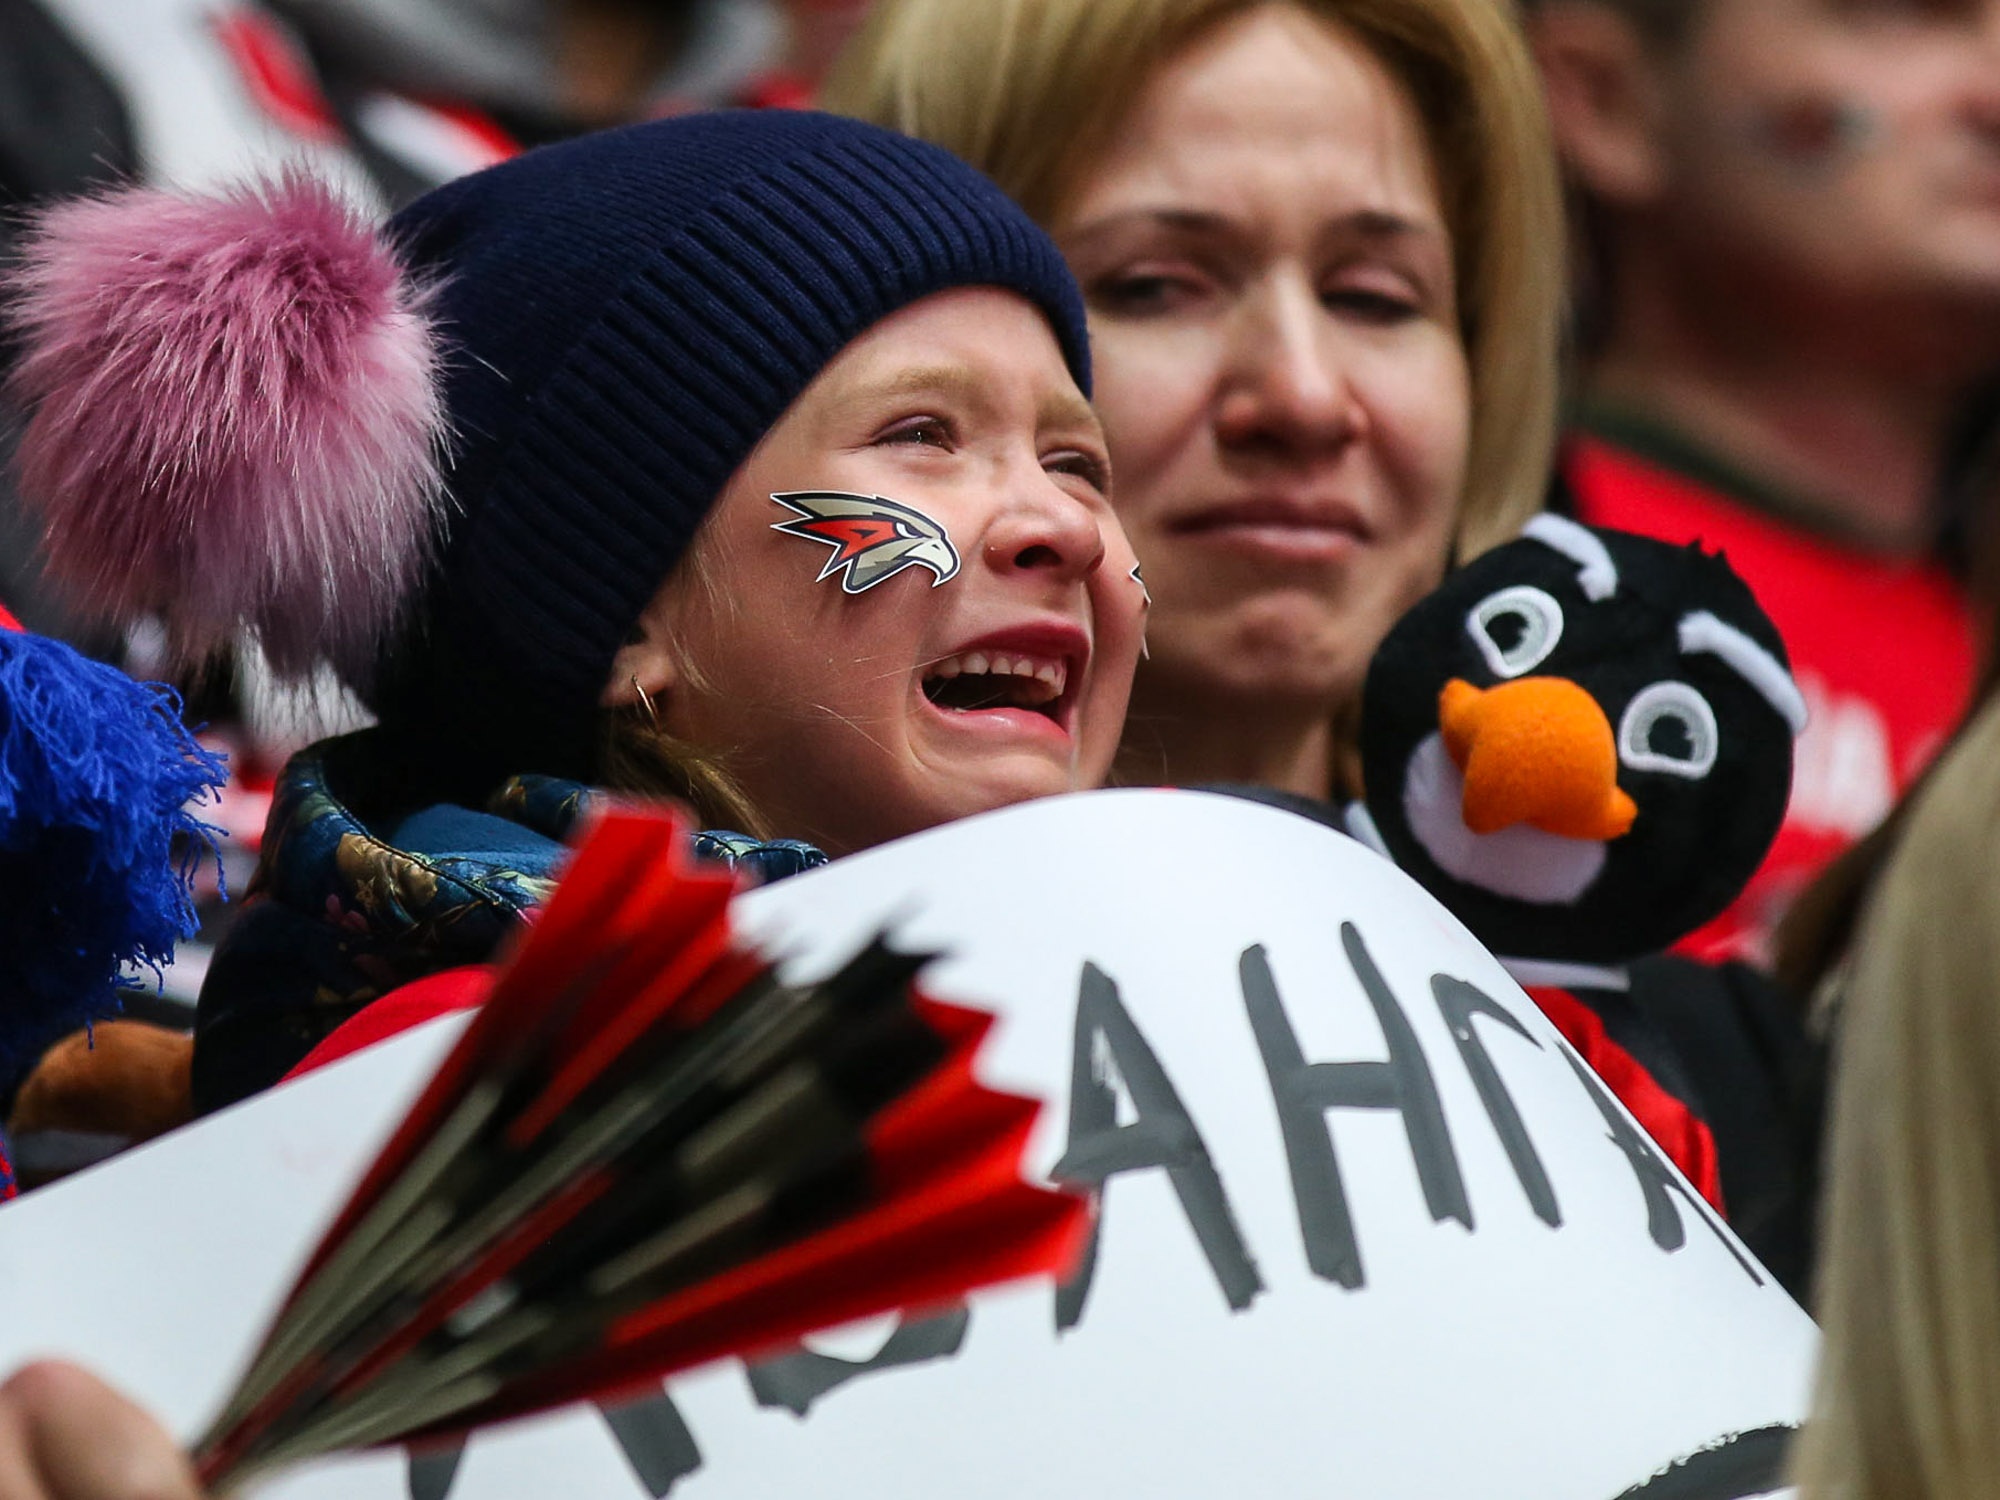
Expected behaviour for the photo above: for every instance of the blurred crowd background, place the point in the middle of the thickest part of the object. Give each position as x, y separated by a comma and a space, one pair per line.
1778, 253
1782, 260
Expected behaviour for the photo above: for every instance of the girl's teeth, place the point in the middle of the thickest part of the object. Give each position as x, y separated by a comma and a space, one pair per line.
978, 663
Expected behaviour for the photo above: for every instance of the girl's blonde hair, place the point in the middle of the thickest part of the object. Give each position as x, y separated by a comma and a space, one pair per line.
1908, 1400
1029, 91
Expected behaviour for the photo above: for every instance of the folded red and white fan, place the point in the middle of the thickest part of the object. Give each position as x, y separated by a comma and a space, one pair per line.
646, 1152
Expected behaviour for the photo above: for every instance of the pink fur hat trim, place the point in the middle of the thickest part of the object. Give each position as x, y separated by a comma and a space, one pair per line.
234, 418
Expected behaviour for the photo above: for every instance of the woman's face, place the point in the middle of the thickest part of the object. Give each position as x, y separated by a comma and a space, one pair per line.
856, 700
1279, 368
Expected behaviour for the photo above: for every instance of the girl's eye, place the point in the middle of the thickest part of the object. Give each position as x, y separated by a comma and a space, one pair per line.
1091, 469
923, 432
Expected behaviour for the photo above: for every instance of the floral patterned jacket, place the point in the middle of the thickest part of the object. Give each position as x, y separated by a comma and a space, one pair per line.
340, 912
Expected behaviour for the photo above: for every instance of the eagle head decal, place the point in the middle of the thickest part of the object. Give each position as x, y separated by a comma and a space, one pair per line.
872, 537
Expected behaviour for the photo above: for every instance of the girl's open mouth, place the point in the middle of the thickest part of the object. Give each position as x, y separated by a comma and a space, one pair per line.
977, 680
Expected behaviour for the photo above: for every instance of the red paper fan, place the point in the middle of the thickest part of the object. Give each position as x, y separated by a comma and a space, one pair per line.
647, 1151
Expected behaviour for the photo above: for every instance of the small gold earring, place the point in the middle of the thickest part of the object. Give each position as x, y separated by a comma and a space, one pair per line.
645, 702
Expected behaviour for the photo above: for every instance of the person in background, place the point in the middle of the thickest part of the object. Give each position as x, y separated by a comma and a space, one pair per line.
1320, 247
1909, 1292
816, 31
1790, 311
525, 72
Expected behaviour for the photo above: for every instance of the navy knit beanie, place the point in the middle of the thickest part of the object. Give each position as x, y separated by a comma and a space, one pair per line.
625, 315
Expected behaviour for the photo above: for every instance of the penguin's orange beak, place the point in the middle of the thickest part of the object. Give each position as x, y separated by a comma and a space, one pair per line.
1537, 750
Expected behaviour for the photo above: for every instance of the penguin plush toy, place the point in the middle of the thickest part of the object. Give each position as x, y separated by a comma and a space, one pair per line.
1581, 744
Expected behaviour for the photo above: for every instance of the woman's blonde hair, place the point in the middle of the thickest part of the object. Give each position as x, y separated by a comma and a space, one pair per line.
1030, 90
1908, 1400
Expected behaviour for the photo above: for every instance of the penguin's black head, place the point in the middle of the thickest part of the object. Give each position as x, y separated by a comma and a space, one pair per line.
1581, 743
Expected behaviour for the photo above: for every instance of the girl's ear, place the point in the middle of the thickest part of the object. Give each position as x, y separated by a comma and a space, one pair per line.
647, 667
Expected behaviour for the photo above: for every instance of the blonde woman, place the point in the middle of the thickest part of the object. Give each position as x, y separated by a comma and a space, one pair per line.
1908, 1406
1319, 246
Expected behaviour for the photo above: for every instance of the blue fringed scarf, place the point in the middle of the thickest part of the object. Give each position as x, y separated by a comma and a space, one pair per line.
97, 846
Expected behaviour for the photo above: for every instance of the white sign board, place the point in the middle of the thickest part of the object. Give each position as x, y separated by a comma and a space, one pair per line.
1368, 1228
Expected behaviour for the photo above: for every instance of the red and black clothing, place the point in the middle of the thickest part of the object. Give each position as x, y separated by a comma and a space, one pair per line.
1711, 1060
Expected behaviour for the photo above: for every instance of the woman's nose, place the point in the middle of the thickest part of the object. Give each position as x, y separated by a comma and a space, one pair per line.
1282, 387
1046, 529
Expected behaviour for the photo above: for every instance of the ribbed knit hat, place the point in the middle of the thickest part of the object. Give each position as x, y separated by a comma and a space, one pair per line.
628, 314
605, 327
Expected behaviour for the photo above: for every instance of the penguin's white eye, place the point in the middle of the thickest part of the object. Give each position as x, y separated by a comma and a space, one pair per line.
1669, 727
1515, 629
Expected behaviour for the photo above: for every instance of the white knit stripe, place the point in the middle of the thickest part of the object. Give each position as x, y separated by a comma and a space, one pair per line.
1703, 631
1552, 973
1597, 574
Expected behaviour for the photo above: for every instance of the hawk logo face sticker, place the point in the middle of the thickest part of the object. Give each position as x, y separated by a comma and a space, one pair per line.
872, 538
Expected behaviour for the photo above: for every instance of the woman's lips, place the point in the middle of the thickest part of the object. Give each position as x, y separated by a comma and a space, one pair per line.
1301, 530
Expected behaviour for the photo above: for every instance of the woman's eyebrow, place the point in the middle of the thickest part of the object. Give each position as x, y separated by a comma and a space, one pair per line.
1382, 224
1189, 221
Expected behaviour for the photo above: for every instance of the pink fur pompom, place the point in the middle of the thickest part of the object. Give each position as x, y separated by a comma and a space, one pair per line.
234, 417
